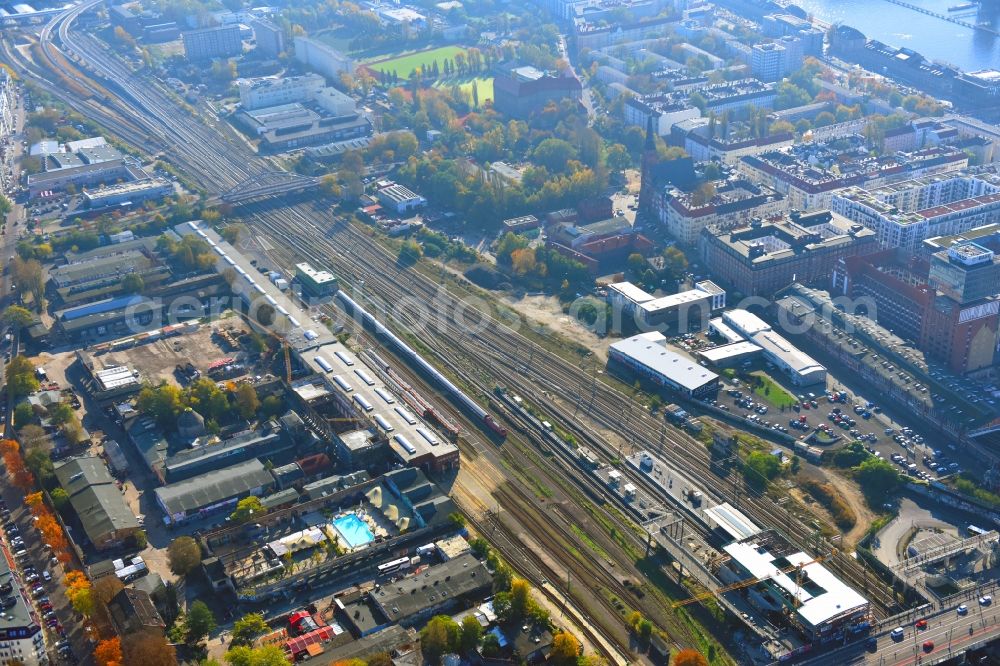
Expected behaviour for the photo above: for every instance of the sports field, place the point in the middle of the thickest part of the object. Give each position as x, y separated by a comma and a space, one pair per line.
483, 86
405, 64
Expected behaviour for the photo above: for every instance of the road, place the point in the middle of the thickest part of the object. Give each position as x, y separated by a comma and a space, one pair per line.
950, 633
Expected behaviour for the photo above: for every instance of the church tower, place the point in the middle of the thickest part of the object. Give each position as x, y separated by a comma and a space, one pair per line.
646, 184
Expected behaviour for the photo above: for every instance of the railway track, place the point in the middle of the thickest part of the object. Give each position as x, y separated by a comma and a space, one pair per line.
366, 263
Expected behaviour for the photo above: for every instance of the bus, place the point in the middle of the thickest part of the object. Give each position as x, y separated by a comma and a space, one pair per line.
394, 566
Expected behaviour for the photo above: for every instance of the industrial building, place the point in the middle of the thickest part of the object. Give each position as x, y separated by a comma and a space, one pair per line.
765, 256
295, 125
121, 194
399, 198
802, 369
222, 41
646, 354
412, 600
395, 421
213, 492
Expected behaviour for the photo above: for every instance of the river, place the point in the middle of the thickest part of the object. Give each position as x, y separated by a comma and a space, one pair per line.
934, 38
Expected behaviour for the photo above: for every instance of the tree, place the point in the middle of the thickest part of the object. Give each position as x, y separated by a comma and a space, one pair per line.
183, 555
636, 262
878, 479
246, 509
554, 154
200, 621
690, 657
108, 652
491, 646
249, 627
133, 284
18, 317
675, 263
267, 655
82, 601
60, 413
472, 632
232, 233
21, 379
23, 414
760, 468
37, 460
5, 205
105, 588
565, 649
164, 403
440, 636
148, 648
271, 406
520, 599
247, 402
617, 158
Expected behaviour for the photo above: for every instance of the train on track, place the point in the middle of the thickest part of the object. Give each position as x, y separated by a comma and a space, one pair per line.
470, 406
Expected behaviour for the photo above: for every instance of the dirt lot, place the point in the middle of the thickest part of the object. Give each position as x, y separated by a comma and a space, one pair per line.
157, 360
547, 311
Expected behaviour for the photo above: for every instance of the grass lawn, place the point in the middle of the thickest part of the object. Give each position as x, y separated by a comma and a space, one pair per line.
771, 391
405, 64
484, 86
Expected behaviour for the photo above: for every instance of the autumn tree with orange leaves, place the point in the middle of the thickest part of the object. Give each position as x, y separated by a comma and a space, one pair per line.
79, 593
48, 526
690, 657
19, 475
108, 652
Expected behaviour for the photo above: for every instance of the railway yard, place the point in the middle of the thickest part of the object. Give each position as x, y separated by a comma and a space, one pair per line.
528, 405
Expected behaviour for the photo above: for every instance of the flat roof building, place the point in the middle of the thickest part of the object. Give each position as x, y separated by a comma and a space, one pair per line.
222, 41
21, 638
767, 255
647, 355
522, 91
411, 599
801, 368
317, 282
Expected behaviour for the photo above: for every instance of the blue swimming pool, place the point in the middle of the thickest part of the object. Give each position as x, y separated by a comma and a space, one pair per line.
354, 530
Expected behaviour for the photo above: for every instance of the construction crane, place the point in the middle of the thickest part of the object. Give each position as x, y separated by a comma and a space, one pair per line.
753, 581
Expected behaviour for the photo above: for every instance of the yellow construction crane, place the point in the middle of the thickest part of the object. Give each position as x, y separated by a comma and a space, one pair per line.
753, 581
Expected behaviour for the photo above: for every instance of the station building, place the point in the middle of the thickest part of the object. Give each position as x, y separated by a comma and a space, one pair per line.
794, 584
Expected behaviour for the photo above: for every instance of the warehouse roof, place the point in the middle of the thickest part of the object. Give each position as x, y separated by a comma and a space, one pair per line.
95, 497
649, 351
213, 487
